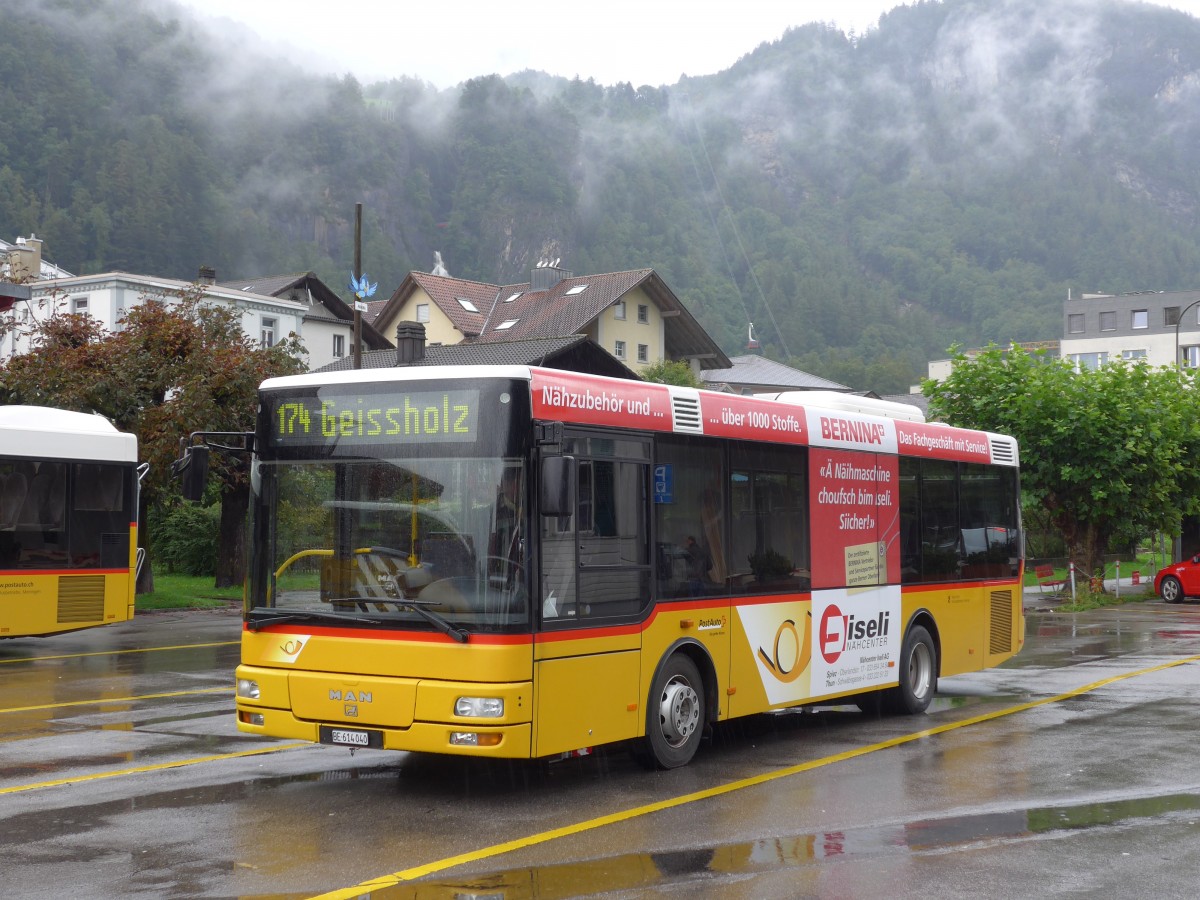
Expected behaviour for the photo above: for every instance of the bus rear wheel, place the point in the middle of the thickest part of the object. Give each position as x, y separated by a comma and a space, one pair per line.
674, 715
918, 675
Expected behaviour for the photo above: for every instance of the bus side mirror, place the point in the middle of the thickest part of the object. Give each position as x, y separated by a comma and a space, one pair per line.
556, 486
194, 471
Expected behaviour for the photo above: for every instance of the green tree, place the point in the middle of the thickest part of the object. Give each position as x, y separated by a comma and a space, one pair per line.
1108, 453
667, 371
173, 368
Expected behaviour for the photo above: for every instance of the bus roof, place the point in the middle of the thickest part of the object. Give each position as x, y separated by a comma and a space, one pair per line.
816, 419
41, 431
872, 406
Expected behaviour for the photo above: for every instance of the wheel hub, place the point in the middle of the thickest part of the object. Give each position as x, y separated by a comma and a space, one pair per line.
920, 671
679, 712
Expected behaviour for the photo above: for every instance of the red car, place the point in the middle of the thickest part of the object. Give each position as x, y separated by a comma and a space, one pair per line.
1182, 579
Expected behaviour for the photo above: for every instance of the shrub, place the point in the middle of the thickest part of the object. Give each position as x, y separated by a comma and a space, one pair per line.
185, 539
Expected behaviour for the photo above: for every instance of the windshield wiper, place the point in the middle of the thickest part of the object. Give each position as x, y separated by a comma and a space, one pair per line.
421, 608
255, 622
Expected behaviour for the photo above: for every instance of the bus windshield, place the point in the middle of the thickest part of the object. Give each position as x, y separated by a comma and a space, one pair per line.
414, 542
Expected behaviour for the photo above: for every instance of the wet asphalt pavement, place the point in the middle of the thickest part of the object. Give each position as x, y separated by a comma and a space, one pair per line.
1070, 771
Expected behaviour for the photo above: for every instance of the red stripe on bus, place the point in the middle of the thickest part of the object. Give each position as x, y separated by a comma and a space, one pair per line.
598, 631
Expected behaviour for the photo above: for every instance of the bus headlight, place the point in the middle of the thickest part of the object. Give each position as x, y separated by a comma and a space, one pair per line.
247, 688
479, 707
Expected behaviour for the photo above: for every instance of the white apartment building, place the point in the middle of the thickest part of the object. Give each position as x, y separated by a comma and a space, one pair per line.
1160, 327
1147, 325
106, 297
270, 308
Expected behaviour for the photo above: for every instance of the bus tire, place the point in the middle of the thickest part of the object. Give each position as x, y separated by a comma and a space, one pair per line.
674, 715
918, 675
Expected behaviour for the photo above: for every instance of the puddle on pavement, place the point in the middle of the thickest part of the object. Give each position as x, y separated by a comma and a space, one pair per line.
637, 872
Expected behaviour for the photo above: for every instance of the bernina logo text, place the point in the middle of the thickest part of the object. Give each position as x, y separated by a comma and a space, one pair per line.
851, 431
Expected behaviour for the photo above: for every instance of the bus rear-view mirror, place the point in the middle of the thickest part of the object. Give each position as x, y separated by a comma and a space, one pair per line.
194, 472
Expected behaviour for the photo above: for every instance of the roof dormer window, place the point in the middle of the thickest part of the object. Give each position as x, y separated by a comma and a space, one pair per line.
507, 324
513, 297
467, 304
578, 289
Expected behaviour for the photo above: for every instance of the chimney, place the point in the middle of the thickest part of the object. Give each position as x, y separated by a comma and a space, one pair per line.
208, 275
25, 259
546, 275
410, 343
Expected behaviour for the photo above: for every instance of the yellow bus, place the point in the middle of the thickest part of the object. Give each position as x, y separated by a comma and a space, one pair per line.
68, 521
528, 563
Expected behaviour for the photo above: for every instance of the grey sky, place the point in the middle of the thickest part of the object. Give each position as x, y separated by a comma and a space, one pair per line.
640, 41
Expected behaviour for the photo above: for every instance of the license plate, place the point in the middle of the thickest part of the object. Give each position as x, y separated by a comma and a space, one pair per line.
351, 737
356, 738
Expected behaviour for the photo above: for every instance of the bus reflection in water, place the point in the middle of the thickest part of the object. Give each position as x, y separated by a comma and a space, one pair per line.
520, 562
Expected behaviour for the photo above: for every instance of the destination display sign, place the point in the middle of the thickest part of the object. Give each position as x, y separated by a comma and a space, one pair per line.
400, 417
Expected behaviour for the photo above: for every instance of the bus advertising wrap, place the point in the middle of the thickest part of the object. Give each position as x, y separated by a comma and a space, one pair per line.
858, 634
855, 518
842, 640
575, 398
850, 431
728, 415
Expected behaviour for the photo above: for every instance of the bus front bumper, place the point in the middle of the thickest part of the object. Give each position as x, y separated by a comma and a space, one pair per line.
383, 713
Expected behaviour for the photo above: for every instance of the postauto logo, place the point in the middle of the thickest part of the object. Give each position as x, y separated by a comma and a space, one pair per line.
840, 632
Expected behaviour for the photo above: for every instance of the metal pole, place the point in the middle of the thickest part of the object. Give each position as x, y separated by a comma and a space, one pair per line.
358, 274
1178, 322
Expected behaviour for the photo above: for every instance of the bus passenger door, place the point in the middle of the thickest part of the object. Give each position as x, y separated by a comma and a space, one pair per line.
594, 578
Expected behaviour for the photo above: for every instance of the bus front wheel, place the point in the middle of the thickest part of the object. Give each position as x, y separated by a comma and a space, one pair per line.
918, 674
674, 715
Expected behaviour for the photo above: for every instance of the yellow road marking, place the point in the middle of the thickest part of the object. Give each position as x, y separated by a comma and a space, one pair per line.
24, 659
106, 700
139, 770
450, 862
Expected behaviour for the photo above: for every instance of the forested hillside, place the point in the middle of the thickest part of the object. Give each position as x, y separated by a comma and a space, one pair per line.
864, 201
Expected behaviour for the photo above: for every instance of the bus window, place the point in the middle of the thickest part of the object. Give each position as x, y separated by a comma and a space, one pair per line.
100, 516
689, 518
769, 527
941, 542
989, 521
601, 568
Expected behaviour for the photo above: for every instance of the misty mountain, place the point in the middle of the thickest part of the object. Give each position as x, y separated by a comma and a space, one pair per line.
865, 201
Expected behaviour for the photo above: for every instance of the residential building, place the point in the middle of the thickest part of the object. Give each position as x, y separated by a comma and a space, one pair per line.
107, 296
939, 369
1160, 327
327, 322
23, 260
1145, 325
632, 315
271, 308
